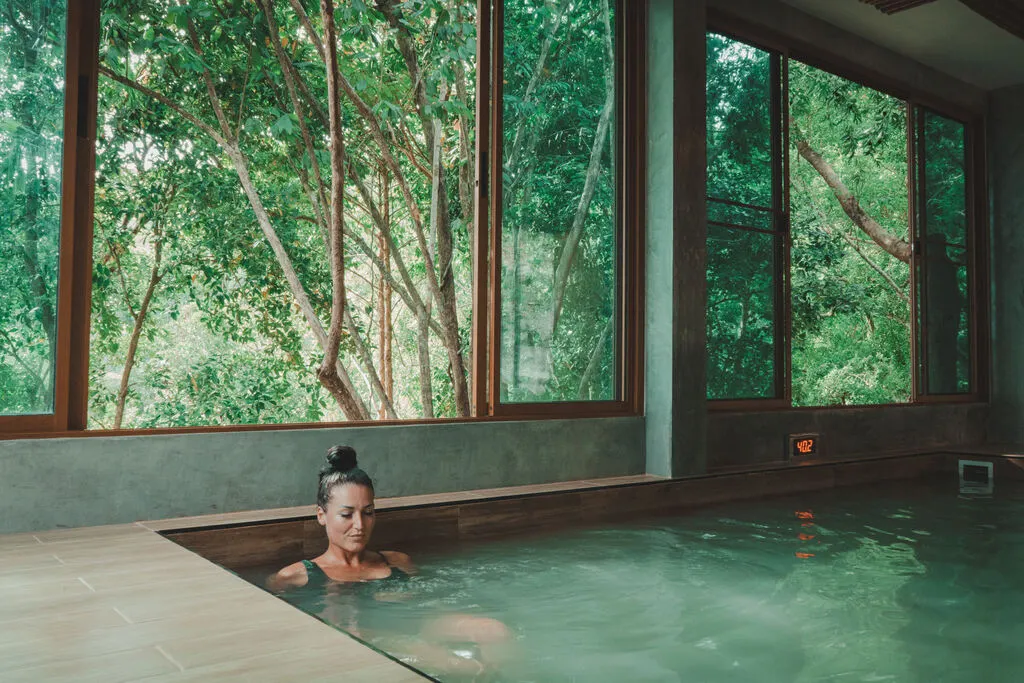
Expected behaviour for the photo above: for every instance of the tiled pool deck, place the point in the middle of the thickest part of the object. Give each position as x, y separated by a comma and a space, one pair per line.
123, 603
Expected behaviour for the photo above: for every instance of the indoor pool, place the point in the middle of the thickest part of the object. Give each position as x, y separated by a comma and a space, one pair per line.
906, 582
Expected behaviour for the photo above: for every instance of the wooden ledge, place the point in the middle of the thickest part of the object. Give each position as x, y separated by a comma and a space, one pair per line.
303, 512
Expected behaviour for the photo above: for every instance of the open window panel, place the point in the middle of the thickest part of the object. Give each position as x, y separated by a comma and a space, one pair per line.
945, 256
41, 140
851, 247
564, 275
747, 243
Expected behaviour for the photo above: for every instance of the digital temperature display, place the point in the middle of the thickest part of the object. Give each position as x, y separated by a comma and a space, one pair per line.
803, 445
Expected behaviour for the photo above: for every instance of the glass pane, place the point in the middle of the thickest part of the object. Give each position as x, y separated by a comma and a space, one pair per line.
739, 127
741, 216
741, 321
558, 239
946, 283
212, 282
850, 296
945, 183
32, 47
947, 334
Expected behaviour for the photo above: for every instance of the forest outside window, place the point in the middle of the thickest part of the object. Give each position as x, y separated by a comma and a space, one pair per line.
217, 205
877, 296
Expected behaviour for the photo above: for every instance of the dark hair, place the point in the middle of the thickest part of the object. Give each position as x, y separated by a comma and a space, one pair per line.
340, 469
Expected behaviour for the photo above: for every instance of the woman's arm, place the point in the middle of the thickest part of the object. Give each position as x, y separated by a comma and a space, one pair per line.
399, 560
292, 576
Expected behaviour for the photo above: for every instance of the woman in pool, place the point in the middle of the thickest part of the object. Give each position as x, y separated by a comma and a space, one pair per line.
344, 507
340, 578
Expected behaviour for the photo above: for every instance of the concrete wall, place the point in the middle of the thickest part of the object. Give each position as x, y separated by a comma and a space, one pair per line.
738, 439
658, 335
1006, 181
83, 481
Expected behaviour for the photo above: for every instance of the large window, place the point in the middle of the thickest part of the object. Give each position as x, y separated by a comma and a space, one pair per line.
32, 53
830, 248
295, 211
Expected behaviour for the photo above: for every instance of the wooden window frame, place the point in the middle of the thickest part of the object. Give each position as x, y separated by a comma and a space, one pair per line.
977, 210
630, 173
74, 272
71, 382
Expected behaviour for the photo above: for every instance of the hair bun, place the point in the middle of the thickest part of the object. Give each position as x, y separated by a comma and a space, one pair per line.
341, 458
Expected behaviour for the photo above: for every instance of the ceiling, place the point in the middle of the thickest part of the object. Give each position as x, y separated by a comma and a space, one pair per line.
944, 34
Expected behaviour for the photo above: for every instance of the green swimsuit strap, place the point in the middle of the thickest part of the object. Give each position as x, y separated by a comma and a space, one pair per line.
312, 567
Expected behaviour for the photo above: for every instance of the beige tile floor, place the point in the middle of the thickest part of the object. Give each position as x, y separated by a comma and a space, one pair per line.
121, 603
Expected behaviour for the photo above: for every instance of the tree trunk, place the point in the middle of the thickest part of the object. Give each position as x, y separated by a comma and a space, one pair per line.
572, 240
440, 272
366, 357
348, 399
595, 360
853, 245
886, 240
523, 132
423, 350
290, 81
386, 332
133, 344
329, 374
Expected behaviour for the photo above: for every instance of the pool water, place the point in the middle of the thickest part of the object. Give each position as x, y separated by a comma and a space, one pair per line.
907, 582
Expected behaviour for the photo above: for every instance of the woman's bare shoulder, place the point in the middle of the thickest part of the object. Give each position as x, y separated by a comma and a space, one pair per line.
400, 560
292, 576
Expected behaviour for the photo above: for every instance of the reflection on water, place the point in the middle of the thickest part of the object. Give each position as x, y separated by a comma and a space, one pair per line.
882, 584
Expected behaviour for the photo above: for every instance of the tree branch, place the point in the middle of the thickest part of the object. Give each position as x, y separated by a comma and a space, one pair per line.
887, 241
853, 243
163, 99
593, 171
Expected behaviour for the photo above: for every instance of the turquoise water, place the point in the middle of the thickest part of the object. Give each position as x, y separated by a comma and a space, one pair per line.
899, 583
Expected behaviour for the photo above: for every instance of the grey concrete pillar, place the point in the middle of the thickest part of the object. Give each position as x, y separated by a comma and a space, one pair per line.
1006, 180
676, 404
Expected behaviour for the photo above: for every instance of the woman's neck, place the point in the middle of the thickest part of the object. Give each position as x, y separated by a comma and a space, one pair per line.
341, 557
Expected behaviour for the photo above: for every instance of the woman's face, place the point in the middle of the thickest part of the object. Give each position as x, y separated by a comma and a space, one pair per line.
349, 517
